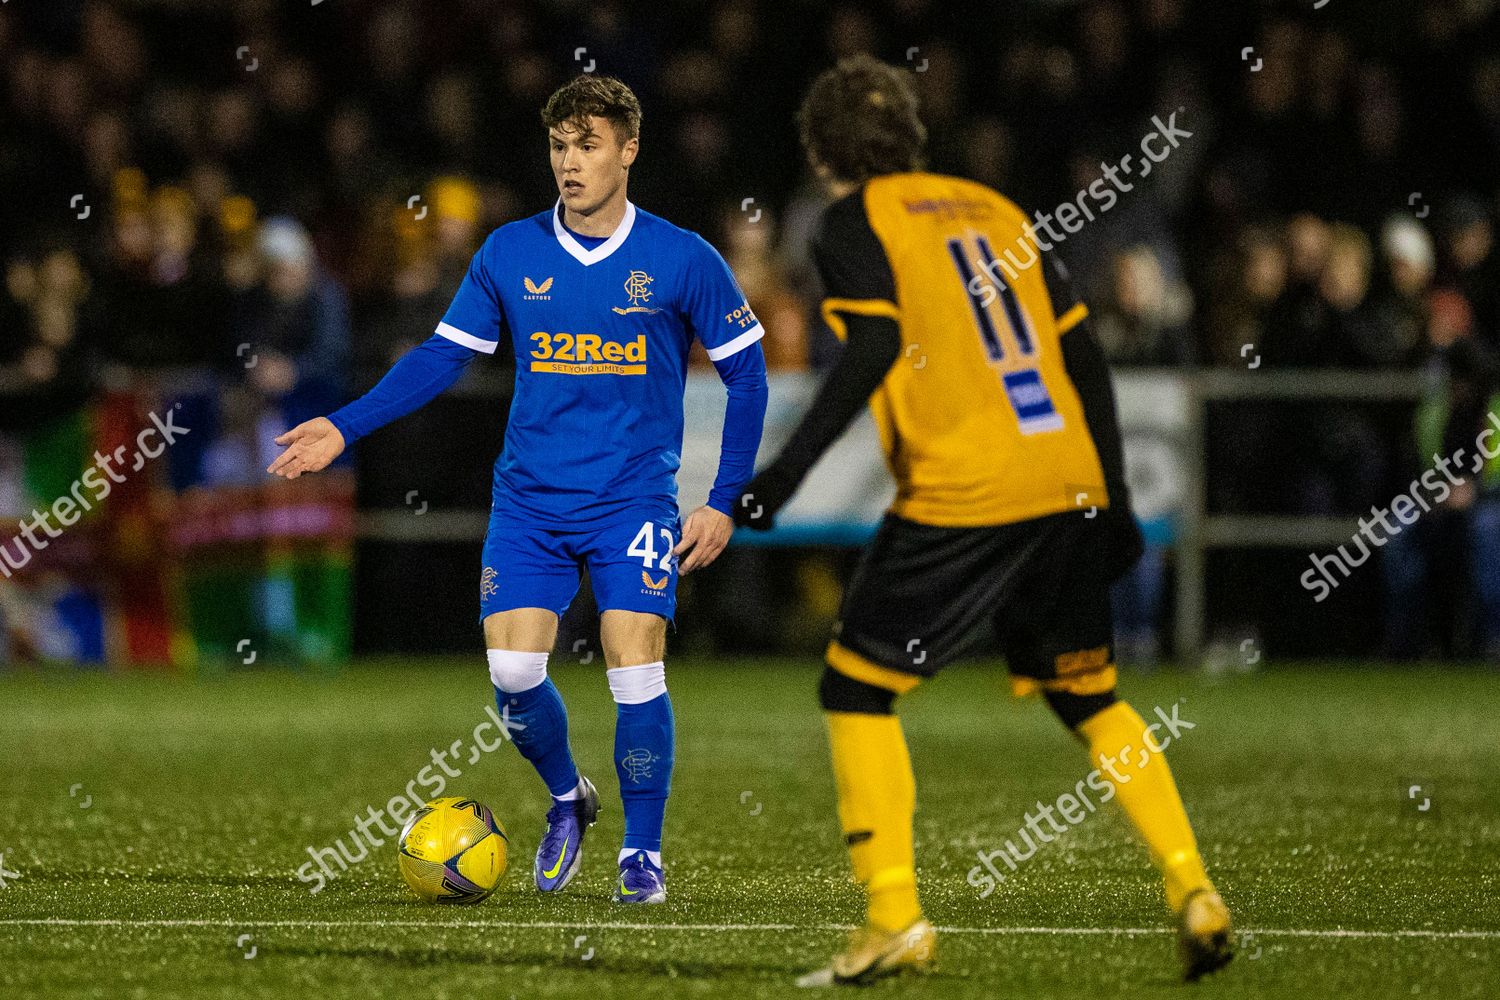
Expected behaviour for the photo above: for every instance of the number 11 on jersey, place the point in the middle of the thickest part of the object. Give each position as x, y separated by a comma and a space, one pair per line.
1023, 383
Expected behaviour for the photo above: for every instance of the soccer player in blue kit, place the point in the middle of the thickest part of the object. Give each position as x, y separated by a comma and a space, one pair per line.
601, 302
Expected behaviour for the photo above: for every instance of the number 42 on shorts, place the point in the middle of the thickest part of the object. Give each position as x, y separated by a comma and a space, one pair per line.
644, 547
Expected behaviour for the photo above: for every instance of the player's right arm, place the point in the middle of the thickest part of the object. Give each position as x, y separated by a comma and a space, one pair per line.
860, 307
471, 325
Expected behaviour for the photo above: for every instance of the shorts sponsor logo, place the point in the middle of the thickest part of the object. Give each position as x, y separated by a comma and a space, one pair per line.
1081, 661
656, 585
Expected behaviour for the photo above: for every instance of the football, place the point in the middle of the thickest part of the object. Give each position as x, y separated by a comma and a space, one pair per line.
452, 851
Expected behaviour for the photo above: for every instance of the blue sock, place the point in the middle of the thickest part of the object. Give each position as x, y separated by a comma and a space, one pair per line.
645, 741
538, 718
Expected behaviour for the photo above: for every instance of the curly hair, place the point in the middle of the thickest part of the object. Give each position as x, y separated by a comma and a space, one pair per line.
585, 97
860, 119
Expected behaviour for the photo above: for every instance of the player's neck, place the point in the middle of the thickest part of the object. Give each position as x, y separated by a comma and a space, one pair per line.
602, 221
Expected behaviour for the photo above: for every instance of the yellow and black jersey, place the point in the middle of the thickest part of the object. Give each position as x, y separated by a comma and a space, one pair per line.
981, 420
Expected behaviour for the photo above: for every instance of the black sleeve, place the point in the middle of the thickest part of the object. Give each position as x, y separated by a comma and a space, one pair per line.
1088, 370
874, 343
851, 259
861, 307
856, 276
1065, 301
1084, 360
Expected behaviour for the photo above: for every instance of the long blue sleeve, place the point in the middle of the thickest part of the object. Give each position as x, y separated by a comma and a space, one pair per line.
415, 380
744, 376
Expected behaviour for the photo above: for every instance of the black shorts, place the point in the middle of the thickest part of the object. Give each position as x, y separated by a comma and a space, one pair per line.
923, 595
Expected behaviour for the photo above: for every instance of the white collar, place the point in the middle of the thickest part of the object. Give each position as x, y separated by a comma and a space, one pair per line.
580, 253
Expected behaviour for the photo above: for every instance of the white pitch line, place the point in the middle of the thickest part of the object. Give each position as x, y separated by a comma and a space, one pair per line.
566, 925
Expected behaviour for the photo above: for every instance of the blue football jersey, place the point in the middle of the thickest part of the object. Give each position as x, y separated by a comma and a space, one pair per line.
601, 338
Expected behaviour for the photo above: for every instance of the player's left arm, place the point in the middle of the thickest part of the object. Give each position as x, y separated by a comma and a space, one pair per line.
860, 307
1088, 370
721, 318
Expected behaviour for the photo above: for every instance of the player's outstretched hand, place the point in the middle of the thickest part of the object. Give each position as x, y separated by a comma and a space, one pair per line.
704, 536
309, 447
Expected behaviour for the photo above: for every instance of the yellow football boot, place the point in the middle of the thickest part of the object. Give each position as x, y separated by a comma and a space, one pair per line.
1203, 939
873, 954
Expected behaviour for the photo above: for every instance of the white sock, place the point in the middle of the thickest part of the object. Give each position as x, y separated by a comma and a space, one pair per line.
626, 852
576, 793
637, 685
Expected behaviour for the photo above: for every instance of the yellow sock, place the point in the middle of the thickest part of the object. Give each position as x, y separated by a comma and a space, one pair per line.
1120, 747
877, 797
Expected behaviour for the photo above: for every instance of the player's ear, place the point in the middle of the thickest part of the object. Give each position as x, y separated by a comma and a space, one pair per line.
825, 175
628, 152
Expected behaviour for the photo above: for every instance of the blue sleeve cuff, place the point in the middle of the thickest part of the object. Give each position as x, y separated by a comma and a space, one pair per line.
341, 423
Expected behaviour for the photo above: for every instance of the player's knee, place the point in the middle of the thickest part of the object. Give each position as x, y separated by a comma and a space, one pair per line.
1076, 709
841, 693
513, 672
636, 685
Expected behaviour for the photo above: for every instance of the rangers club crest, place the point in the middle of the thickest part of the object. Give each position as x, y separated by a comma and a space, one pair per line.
638, 287
637, 764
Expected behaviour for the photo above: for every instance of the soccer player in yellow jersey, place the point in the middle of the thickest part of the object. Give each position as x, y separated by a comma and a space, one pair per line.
997, 418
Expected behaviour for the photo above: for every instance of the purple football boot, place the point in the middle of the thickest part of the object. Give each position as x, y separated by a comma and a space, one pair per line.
640, 881
561, 850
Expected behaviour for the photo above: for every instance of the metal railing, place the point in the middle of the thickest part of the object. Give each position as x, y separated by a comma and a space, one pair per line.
1201, 531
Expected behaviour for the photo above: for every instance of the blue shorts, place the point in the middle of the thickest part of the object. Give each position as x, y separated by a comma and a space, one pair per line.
629, 560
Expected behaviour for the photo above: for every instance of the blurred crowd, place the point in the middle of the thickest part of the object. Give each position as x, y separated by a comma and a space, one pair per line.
275, 200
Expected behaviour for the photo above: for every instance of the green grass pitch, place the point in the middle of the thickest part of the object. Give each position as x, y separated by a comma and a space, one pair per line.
154, 826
